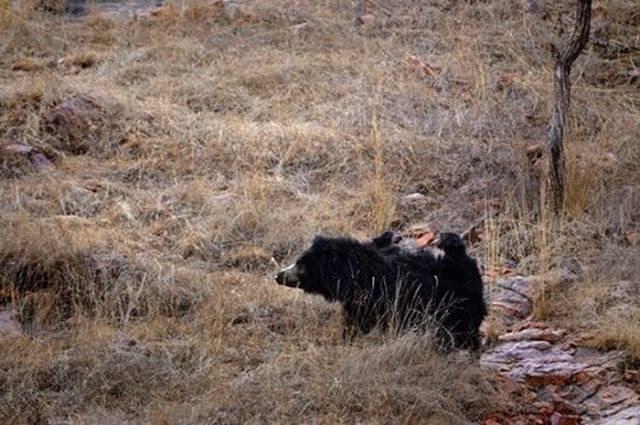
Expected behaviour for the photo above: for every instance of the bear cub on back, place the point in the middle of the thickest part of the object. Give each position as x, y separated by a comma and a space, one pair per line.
381, 284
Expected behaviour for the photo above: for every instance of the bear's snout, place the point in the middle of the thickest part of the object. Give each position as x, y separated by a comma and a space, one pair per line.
288, 276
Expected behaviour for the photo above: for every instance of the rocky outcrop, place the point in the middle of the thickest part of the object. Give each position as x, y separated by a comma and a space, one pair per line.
17, 159
562, 383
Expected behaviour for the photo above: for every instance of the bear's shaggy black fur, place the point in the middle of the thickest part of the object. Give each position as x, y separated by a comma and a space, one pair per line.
379, 283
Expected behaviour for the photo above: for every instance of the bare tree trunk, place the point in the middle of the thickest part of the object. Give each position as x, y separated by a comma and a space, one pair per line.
562, 92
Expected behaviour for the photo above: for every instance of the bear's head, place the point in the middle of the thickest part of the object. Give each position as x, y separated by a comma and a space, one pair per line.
387, 240
333, 267
451, 244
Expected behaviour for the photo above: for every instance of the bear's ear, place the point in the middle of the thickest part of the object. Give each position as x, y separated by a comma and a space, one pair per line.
322, 244
386, 239
318, 239
451, 243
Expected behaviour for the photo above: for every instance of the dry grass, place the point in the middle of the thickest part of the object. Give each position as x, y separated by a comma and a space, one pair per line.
60, 267
624, 338
196, 149
605, 304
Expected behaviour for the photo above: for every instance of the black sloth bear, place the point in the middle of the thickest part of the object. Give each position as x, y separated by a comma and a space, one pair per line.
381, 283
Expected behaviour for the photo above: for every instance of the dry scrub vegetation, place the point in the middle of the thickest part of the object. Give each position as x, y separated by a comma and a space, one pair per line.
187, 153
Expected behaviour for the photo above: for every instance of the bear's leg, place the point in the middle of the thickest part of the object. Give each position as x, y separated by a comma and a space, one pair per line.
349, 330
358, 318
459, 335
443, 339
473, 342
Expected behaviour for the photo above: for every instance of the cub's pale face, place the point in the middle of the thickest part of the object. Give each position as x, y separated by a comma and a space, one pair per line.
310, 271
290, 276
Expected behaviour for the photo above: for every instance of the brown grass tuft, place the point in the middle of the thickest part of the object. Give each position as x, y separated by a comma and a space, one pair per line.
82, 123
26, 65
620, 333
400, 379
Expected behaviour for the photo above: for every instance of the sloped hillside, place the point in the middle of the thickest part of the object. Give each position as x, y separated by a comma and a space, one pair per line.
157, 164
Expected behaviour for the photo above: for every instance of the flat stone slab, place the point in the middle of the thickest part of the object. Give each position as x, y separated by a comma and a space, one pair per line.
536, 362
567, 384
628, 416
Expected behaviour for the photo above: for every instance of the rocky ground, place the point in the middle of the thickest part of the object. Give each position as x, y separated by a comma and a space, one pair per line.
562, 381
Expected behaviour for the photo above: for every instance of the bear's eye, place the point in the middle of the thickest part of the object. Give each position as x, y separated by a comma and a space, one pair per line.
299, 268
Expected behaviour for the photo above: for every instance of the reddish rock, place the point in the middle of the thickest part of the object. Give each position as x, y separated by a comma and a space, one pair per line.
493, 421
549, 335
560, 405
415, 64
572, 384
531, 324
611, 399
544, 407
632, 237
495, 272
366, 20
512, 309
513, 298
560, 419
632, 375
37, 159
93, 186
509, 387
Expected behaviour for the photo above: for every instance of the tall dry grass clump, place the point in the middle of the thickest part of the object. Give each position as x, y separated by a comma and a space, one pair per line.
53, 269
382, 202
401, 379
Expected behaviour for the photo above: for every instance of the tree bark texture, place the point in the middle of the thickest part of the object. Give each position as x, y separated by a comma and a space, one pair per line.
562, 93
